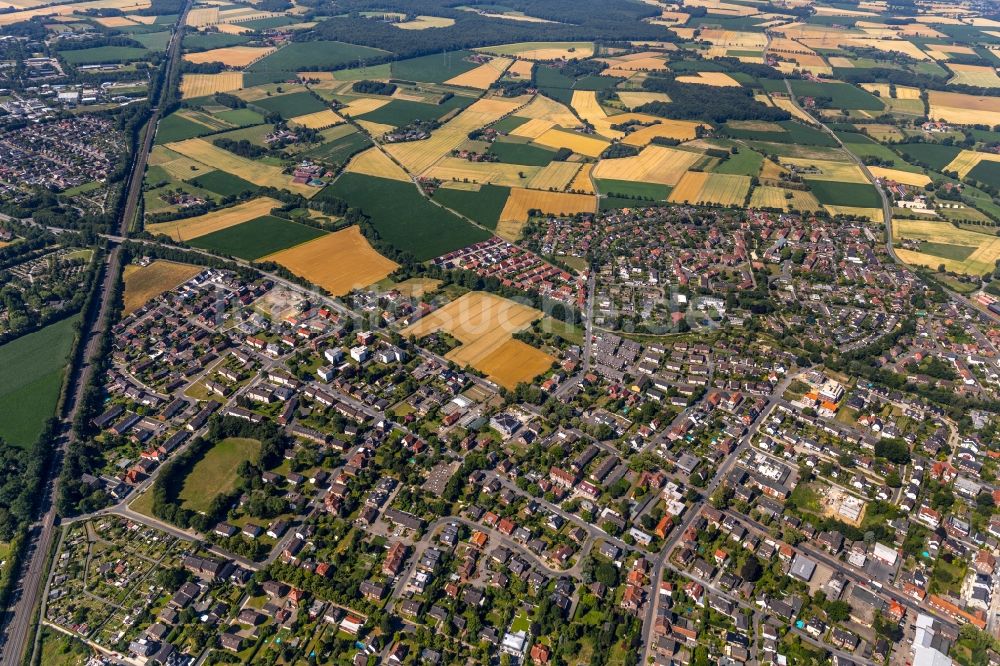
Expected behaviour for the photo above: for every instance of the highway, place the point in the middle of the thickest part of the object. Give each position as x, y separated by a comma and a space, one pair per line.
17, 621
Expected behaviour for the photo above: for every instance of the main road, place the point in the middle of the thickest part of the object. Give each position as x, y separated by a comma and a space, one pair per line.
17, 621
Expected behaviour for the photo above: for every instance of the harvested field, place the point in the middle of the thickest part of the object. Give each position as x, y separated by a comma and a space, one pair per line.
904, 177
543, 50
655, 164
193, 227
582, 182
633, 98
967, 160
425, 22
497, 173
873, 214
766, 196
484, 324
788, 105
981, 260
975, 75
359, 107
717, 79
578, 143
318, 120
557, 175
682, 130
721, 189
481, 77
532, 129
416, 287
202, 16
114, 21
544, 108
338, 262
521, 201
375, 129
417, 156
231, 56
844, 172
521, 69
373, 162
142, 284
258, 173
964, 109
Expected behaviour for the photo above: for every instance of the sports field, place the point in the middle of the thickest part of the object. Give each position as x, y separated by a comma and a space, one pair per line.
144, 283
655, 164
217, 220
216, 473
31, 374
721, 189
338, 262
484, 324
982, 259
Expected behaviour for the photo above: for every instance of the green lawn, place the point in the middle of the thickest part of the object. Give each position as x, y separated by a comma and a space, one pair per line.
483, 206
299, 56
744, 163
31, 374
215, 473
403, 217
257, 238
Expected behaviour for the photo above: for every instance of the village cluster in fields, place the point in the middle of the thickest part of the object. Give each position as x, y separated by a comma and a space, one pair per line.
590, 333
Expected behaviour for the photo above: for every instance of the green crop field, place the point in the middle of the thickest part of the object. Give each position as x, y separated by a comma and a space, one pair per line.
613, 202
154, 41
987, 172
947, 250
299, 56
841, 95
31, 374
205, 41
403, 217
216, 473
483, 206
630, 190
863, 146
744, 163
513, 152
222, 183
436, 68
240, 117
509, 124
845, 194
177, 128
272, 22
102, 54
934, 155
257, 238
294, 104
339, 151
401, 112
794, 132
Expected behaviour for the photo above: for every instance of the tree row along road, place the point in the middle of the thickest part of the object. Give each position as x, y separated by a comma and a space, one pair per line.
17, 622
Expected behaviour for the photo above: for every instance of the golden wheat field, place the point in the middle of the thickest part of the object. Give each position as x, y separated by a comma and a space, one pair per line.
682, 130
578, 143
766, 196
788, 105
66, 10
194, 227
425, 22
521, 201
521, 69
319, 120
543, 50
722, 189
201, 85
481, 77
338, 262
202, 16
582, 182
373, 162
363, 105
904, 177
556, 175
418, 156
634, 98
457, 169
532, 129
717, 79
142, 284
484, 324
258, 173
655, 164
230, 56
813, 169
544, 108
964, 109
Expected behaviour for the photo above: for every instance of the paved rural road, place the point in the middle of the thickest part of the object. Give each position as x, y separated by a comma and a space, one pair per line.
17, 622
